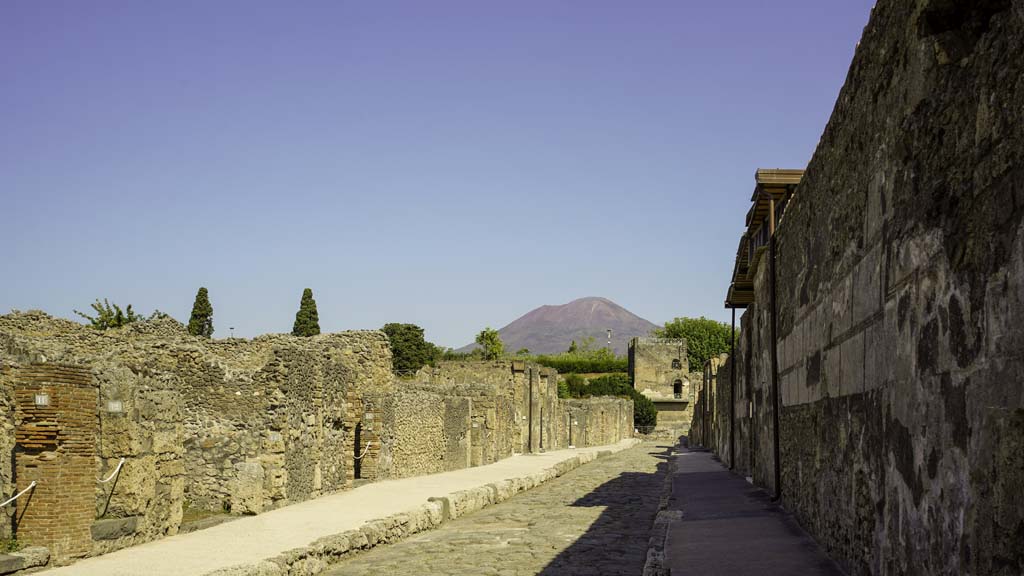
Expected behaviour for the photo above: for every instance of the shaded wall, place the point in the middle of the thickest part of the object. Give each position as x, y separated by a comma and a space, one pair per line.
901, 305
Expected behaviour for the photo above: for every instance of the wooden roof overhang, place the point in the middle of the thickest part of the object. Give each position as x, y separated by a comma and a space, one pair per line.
772, 185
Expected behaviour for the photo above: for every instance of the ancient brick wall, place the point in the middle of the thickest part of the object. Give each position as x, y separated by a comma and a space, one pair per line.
55, 435
900, 289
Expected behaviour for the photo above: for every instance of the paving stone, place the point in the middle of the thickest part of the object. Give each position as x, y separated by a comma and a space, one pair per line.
595, 519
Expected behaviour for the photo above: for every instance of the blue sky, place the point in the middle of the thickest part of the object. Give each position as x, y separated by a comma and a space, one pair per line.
450, 164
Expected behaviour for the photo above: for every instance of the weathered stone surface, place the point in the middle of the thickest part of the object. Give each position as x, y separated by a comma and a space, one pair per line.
265, 568
900, 312
28, 557
114, 528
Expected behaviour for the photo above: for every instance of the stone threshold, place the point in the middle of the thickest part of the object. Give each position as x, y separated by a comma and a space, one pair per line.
322, 553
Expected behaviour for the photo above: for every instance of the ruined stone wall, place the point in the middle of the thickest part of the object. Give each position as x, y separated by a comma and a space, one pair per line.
423, 432
900, 304
144, 499
7, 484
593, 421
229, 424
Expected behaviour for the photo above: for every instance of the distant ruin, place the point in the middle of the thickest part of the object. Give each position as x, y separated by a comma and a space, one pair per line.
659, 368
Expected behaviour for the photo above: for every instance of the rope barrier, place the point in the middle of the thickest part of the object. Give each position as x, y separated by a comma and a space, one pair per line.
114, 473
360, 457
18, 495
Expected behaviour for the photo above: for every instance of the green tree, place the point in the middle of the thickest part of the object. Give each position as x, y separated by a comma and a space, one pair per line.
409, 349
572, 348
523, 352
704, 338
201, 322
307, 322
109, 316
490, 341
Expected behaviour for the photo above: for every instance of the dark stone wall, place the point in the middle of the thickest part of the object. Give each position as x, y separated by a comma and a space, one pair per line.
901, 304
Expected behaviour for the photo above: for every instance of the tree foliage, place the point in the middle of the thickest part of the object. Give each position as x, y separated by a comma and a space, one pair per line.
307, 322
490, 341
201, 321
109, 315
409, 349
644, 412
705, 338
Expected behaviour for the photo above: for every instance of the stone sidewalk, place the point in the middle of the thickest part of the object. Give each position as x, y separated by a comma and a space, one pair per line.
718, 523
310, 535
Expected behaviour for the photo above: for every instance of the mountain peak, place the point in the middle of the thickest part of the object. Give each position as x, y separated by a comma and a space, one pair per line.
550, 329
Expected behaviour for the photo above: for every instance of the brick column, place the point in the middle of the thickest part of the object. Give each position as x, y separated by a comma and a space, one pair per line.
55, 445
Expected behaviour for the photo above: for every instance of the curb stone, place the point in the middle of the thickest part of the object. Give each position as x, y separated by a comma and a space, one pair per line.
655, 564
319, 555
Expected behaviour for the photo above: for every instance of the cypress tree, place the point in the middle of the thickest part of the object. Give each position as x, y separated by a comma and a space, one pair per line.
307, 322
201, 322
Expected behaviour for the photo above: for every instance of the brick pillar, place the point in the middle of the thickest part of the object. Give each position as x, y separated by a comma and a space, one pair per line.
367, 418
55, 445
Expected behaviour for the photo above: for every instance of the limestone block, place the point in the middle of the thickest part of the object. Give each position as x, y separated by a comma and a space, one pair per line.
357, 540
29, 557
246, 488
261, 568
114, 528
465, 501
307, 567
334, 545
274, 442
434, 513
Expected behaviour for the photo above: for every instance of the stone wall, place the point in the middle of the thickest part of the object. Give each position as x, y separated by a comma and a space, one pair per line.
900, 286
512, 407
594, 421
220, 425
423, 433
146, 421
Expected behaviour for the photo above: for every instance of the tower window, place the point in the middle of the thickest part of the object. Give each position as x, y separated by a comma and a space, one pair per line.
676, 364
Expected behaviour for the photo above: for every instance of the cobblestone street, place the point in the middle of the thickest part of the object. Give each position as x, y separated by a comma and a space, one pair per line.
592, 520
